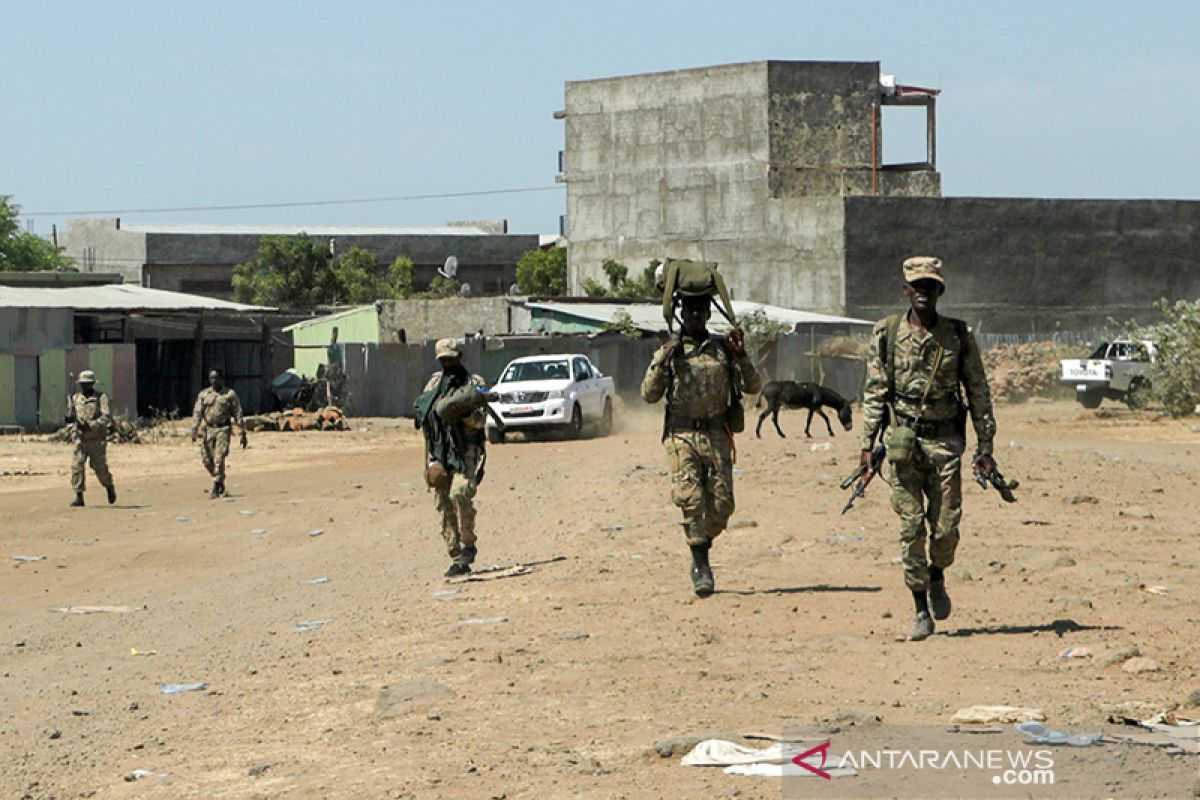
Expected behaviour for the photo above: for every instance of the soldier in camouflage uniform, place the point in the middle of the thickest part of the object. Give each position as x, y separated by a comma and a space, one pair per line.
933, 356
696, 372
217, 410
451, 412
90, 412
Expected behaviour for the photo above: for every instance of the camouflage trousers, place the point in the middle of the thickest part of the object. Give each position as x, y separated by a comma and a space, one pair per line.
701, 467
214, 448
455, 497
96, 451
927, 495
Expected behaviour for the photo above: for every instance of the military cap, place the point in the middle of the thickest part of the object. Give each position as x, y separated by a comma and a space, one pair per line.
448, 348
919, 268
87, 376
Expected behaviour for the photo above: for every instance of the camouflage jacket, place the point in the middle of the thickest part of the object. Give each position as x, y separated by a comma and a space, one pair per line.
216, 409
914, 362
696, 381
92, 416
465, 438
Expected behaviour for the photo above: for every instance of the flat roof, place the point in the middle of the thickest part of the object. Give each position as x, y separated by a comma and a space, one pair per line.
648, 316
311, 230
118, 298
308, 323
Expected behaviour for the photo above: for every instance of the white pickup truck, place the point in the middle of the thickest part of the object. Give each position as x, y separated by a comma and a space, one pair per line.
1118, 370
561, 392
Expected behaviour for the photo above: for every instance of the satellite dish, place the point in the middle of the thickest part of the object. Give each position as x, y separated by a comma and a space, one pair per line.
464, 290
514, 290
450, 268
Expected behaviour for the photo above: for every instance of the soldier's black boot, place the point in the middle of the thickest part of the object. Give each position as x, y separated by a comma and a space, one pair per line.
939, 601
923, 624
702, 577
461, 563
216, 491
78, 501
468, 555
112, 494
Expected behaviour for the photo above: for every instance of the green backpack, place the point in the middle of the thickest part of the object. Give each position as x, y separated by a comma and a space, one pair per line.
686, 278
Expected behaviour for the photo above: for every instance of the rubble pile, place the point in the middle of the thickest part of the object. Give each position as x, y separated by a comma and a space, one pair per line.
1018, 372
329, 418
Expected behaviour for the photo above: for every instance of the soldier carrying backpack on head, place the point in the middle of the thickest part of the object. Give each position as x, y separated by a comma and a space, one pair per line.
703, 378
915, 365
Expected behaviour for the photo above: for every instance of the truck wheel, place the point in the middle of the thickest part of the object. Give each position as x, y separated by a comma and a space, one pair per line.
1139, 393
575, 426
606, 422
495, 436
1089, 399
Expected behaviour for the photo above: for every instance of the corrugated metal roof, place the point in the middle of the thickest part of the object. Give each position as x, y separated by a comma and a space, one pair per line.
117, 297
648, 317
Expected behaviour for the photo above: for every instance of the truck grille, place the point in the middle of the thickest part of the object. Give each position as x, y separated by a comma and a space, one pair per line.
523, 397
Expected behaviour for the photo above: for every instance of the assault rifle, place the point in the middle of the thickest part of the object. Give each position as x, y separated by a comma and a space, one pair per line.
996, 480
864, 475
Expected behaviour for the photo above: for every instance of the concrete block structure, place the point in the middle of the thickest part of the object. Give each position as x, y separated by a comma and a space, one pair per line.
775, 170
199, 259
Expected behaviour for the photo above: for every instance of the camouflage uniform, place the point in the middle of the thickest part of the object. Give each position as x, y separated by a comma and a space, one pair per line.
698, 442
93, 419
216, 411
454, 490
927, 491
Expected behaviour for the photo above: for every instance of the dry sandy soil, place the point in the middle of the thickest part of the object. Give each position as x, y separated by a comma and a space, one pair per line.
559, 681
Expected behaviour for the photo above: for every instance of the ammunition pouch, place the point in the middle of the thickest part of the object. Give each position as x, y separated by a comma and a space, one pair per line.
901, 444
437, 477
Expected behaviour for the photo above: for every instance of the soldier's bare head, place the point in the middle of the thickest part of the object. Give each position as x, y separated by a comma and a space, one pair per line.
695, 311
216, 379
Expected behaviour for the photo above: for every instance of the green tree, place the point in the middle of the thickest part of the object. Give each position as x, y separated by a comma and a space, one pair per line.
296, 272
620, 285
1175, 380
760, 332
23, 251
439, 289
543, 272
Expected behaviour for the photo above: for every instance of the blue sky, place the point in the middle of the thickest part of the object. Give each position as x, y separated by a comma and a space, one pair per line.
129, 105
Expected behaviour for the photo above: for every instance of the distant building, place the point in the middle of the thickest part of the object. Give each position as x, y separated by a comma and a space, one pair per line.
775, 170
200, 258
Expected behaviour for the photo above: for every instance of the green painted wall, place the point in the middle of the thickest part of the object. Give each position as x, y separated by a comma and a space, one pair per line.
8, 389
52, 386
359, 326
558, 322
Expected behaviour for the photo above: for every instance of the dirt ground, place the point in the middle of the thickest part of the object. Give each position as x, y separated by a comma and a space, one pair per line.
558, 681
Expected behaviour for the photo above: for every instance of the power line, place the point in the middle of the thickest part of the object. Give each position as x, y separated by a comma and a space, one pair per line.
298, 204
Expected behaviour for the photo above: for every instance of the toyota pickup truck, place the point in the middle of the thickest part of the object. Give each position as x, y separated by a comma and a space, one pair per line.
562, 393
1117, 370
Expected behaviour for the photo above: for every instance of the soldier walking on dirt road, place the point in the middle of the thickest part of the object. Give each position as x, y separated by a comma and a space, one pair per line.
697, 373
217, 410
916, 363
90, 412
452, 414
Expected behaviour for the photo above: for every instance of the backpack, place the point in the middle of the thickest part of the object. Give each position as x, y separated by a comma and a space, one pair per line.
686, 278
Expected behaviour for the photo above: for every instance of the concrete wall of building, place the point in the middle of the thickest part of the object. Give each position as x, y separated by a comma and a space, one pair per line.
820, 117
743, 164
99, 245
1025, 265
452, 317
663, 164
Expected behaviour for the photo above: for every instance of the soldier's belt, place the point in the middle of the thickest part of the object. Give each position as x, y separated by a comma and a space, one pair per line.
930, 429
678, 422
219, 425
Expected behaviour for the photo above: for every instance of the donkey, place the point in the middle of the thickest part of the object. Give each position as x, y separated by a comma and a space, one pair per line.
801, 395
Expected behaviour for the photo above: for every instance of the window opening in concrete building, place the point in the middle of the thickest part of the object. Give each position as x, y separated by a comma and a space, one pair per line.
903, 136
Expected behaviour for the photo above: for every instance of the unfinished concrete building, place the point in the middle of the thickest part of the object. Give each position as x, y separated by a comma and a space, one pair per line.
775, 169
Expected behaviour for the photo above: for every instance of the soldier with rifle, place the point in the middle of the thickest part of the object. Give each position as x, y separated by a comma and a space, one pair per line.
919, 366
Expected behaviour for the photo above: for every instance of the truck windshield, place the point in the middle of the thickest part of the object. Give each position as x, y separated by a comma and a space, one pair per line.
1100, 351
536, 371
